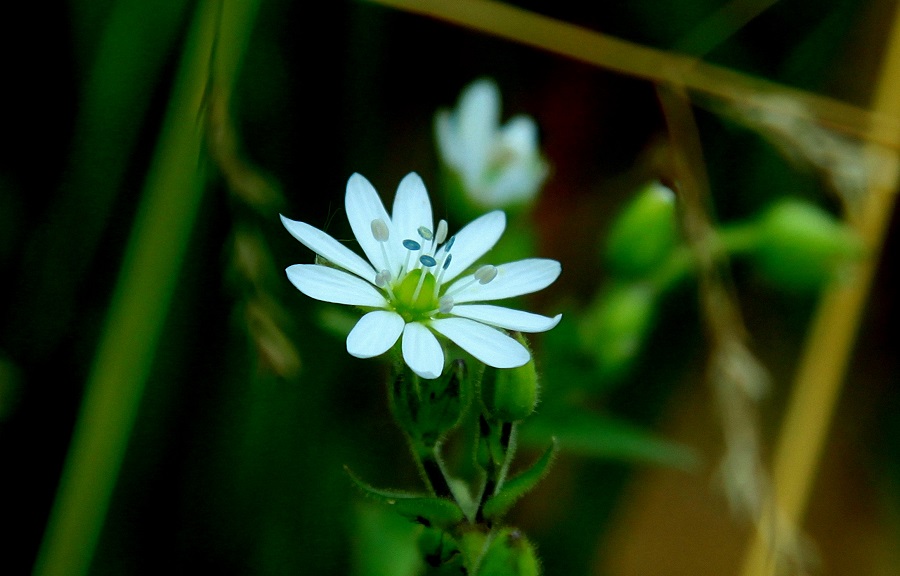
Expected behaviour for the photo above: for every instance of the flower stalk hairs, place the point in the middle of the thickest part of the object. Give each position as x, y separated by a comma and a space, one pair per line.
418, 284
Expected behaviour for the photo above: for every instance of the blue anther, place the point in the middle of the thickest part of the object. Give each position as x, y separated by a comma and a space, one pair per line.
447, 261
425, 233
427, 260
411, 245
449, 243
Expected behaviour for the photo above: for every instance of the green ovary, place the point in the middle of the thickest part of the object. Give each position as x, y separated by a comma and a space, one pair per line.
415, 309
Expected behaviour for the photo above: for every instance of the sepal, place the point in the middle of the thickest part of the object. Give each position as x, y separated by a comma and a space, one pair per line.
426, 510
517, 486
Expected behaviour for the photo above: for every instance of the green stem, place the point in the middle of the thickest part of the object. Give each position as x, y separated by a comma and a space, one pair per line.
731, 240
143, 294
430, 466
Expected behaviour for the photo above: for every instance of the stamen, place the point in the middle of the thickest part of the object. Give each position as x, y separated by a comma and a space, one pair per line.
441, 233
445, 304
425, 233
427, 261
446, 251
381, 233
383, 280
412, 246
444, 265
485, 274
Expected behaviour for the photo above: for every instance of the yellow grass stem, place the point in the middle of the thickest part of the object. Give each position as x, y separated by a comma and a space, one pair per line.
140, 303
830, 342
717, 84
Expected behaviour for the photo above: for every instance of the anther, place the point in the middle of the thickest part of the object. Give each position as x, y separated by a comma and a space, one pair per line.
427, 261
449, 243
445, 304
485, 274
441, 233
425, 233
383, 280
380, 230
440, 277
411, 245
381, 233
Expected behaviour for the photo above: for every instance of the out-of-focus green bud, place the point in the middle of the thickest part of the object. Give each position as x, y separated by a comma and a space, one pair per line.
511, 394
643, 234
614, 327
802, 246
510, 554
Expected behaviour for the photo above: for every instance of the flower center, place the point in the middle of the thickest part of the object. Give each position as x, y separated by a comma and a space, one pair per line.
415, 293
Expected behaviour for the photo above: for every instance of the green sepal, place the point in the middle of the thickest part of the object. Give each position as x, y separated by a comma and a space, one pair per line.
510, 554
428, 409
516, 487
426, 510
511, 394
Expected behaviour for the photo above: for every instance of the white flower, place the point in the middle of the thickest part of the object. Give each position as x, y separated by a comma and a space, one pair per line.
413, 286
498, 166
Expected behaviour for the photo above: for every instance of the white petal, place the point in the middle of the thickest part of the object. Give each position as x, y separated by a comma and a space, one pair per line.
422, 351
329, 248
477, 117
332, 285
363, 205
513, 279
412, 209
520, 136
447, 138
487, 344
374, 334
506, 317
473, 241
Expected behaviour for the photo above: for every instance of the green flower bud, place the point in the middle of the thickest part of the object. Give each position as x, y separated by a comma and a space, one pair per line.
511, 394
614, 328
802, 246
643, 234
510, 554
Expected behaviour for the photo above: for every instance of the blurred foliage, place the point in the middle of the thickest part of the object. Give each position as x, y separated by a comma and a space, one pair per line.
251, 407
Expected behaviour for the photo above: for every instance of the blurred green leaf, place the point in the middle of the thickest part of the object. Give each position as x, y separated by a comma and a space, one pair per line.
385, 543
594, 435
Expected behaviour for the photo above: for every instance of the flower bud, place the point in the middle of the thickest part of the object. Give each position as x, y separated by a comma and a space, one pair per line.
802, 246
643, 234
511, 394
510, 554
615, 326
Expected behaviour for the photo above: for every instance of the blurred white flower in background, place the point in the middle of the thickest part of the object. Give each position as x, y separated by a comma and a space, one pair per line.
498, 166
